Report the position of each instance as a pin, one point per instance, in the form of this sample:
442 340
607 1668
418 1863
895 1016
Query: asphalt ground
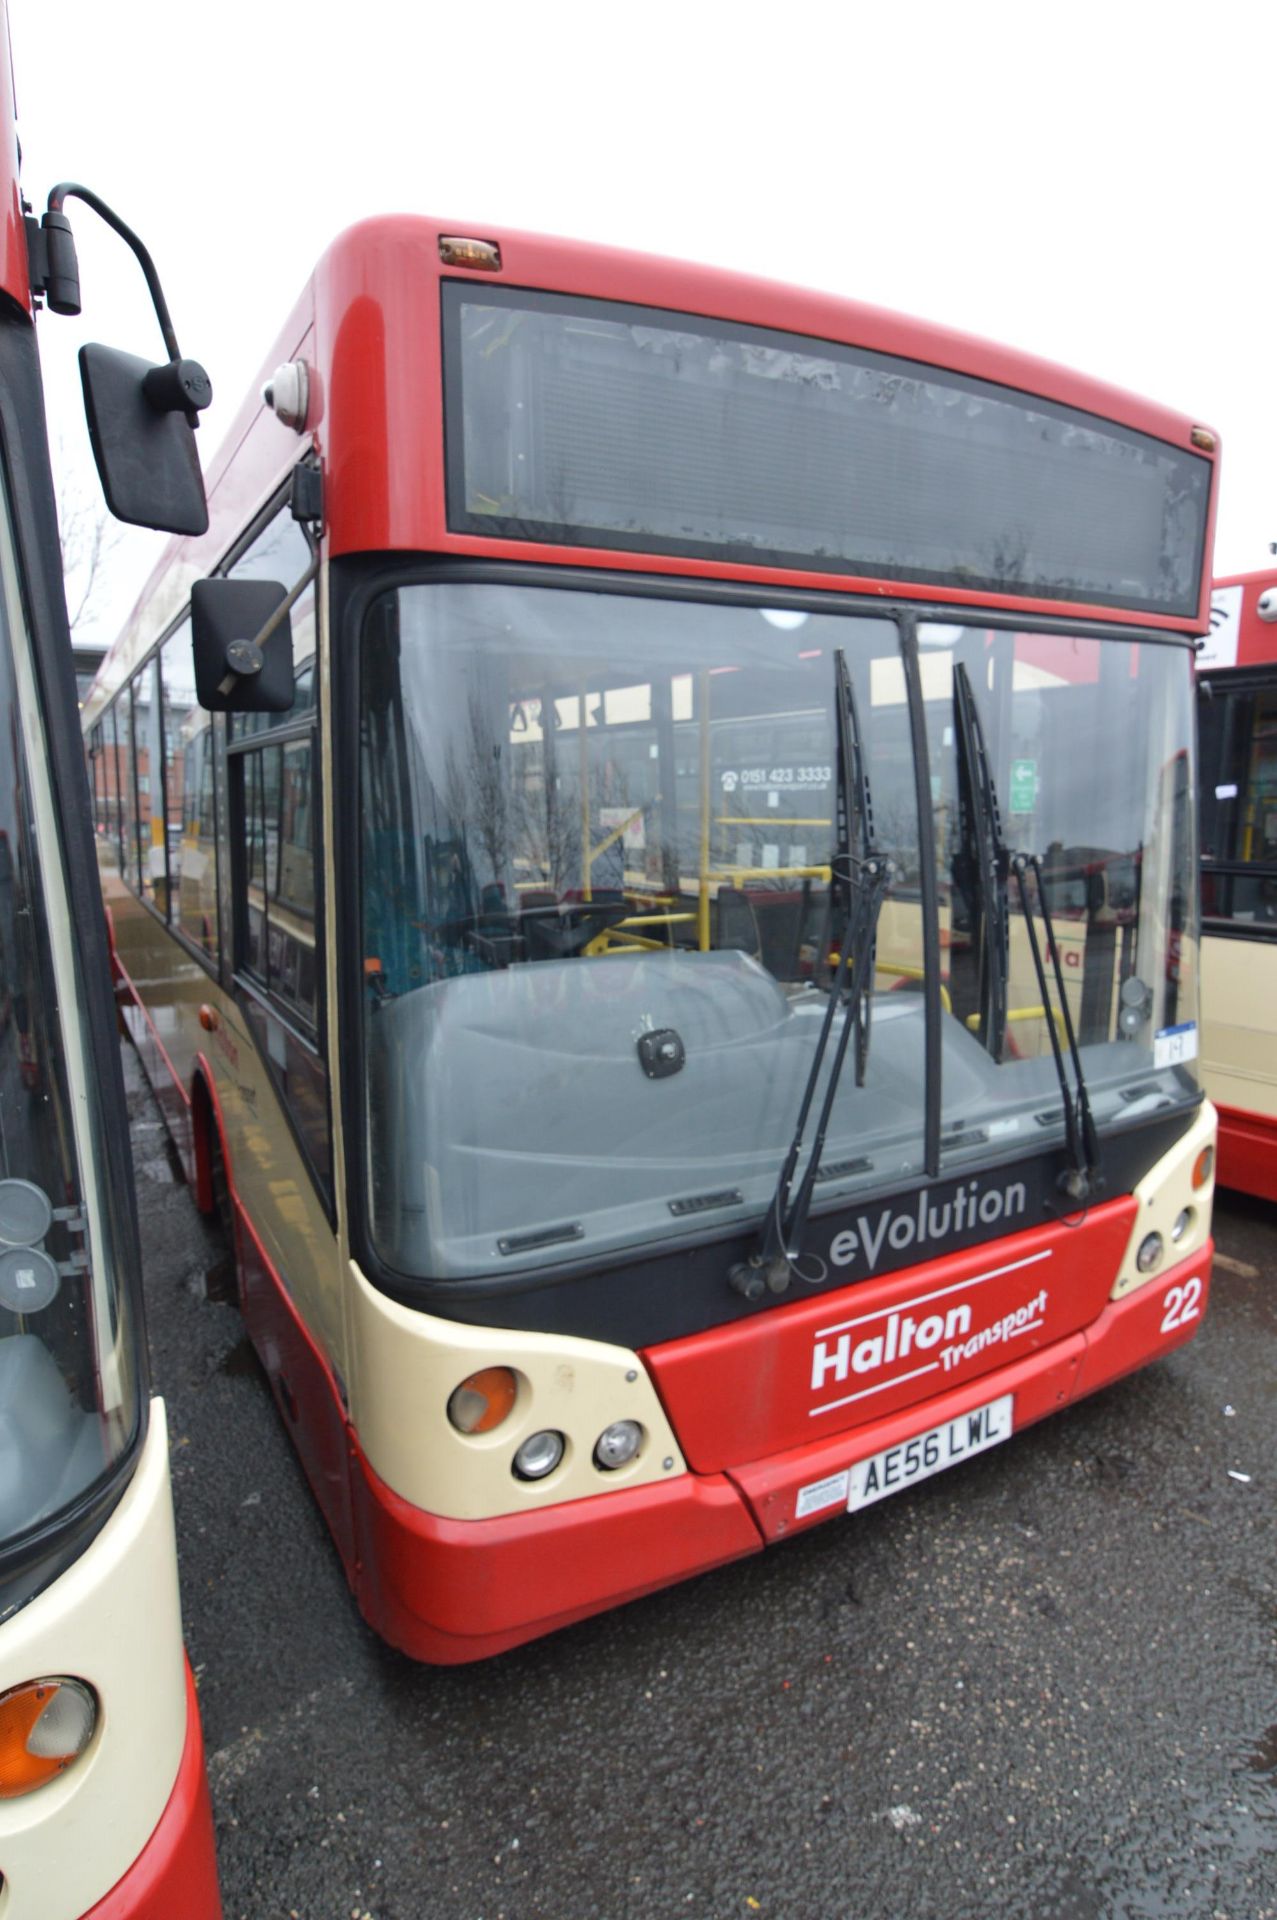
1043 1684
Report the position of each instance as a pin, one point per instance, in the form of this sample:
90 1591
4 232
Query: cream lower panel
1166 1192
113 1620
270 1175
272 1181
1239 1024
404 1367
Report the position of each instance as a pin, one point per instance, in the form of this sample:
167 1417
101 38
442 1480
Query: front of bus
769 1061
104 1806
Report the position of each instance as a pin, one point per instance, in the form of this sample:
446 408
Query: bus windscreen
587 423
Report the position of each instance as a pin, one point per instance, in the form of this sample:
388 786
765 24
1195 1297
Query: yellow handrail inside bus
1027 1013
904 972
612 838
631 942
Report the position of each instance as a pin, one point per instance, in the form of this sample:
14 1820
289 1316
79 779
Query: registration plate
929 1453
911 1461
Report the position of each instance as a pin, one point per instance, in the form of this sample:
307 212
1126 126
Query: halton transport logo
935 1333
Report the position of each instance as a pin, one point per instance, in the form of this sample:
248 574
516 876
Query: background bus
1237 719
667 698
104 1807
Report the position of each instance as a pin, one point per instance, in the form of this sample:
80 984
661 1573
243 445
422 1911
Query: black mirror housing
234 672
146 458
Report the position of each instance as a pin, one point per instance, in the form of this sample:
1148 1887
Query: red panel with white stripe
797 1373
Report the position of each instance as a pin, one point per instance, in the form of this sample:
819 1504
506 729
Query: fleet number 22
1181 1305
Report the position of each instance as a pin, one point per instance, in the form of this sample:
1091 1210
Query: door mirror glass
146 457
236 670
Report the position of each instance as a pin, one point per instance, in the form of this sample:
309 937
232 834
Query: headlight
1183 1221
1151 1249
540 1454
617 1445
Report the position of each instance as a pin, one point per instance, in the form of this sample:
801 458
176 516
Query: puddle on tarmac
219 1281
241 1362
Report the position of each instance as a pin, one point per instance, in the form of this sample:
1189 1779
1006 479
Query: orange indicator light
483 1401
1203 1166
482 256
44 1726
1203 437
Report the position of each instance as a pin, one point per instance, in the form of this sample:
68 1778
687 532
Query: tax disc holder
29 1280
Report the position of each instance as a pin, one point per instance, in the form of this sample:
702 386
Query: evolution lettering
933 1219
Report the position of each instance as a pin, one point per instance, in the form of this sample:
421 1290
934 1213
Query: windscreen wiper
982 867
1085 1177
991 865
858 884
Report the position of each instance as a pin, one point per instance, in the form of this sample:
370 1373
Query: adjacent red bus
651 851
1237 720
104 1807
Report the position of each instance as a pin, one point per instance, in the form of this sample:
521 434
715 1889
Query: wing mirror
141 417
243 646
140 430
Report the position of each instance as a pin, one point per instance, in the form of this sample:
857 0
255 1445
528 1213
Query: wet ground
1042 1685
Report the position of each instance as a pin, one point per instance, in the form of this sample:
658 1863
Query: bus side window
1238 729
128 788
110 851
189 798
279 958
280 552
152 856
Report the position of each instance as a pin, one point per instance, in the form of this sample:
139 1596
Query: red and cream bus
1237 724
650 850
104 1807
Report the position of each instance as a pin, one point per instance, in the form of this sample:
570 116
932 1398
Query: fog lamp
618 1444
483 1400
540 1454
44 1726
1151 1249
1183 1221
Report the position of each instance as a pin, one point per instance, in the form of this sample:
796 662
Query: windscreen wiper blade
1085 1177
858 884
992 865
984 857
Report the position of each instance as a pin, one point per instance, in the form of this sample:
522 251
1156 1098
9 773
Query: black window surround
1238 889
584 422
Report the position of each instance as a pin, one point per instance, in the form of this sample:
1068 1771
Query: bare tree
89 536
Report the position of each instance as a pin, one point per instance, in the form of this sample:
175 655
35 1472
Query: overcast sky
1093 182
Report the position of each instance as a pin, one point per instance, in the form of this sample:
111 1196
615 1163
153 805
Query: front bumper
448 1591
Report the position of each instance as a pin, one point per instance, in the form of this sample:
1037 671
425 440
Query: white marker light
617 1445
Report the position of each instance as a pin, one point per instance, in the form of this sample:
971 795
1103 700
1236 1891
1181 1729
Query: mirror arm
182 386
71 190
252 654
